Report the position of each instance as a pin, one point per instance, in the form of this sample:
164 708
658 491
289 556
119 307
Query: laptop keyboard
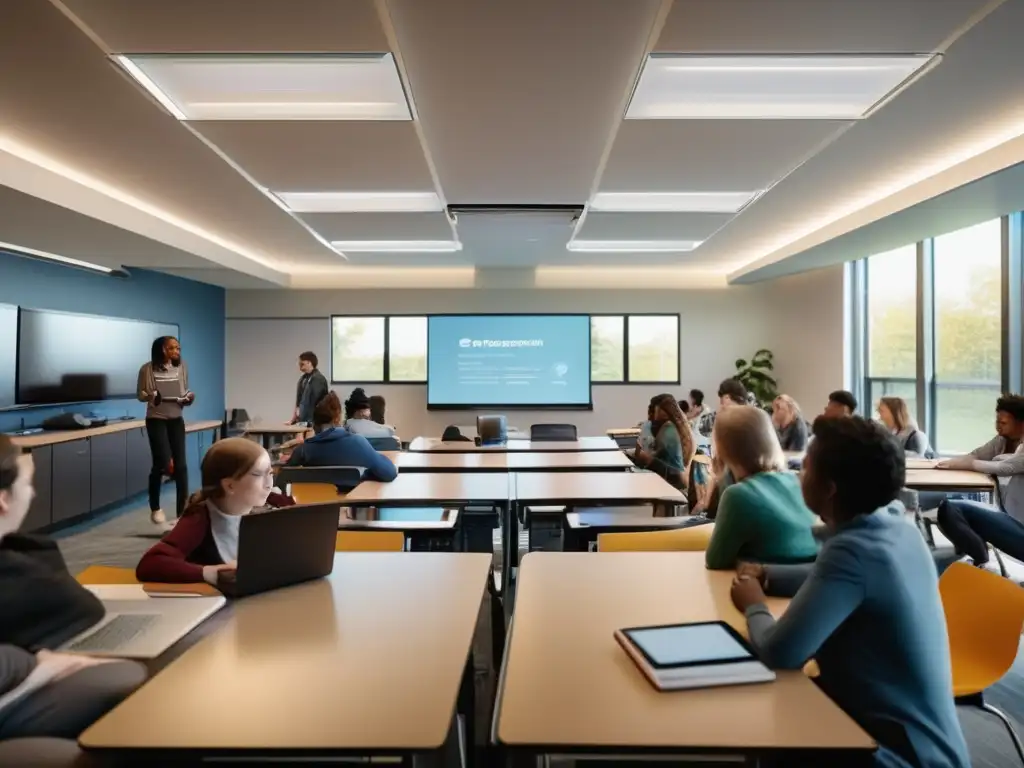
115 634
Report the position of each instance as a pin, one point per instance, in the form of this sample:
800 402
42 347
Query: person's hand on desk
643 458
754 571
216 575
746 591
957 462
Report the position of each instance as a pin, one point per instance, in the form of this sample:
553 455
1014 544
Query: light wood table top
435 445
320 666
583 460
516 461
451 462
554 488
948 479
436 488
623 432
271 428
567 683
47 437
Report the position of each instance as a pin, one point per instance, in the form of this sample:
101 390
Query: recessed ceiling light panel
632 246
674 202
397 246
360 202
768 87
272 87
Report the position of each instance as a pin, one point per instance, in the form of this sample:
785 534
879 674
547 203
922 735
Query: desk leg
266 442
510 555
466 705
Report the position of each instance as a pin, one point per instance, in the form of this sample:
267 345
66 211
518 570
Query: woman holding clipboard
163 386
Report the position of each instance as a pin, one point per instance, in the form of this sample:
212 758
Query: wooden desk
47 437
623 432
267 431
592 488
435 445
518 461
949 480
451 462
569 461
432 488
567 686
346 684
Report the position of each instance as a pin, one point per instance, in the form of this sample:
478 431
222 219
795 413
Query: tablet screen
688 644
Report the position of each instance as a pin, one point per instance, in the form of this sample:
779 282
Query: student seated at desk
789 423
358 419
673 444
894 413
334 446
972 526
761 515
41 605
59 695
203 546
650 427
869 613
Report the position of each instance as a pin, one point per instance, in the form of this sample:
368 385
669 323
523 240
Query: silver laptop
142 628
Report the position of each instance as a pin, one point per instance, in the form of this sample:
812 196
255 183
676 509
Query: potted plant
756 376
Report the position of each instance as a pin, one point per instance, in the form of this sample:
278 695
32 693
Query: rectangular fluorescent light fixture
397 246
360 202
788 87
632 246
272 86
674 202
32 253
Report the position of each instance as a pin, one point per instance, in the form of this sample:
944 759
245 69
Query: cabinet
138 462
108 469
72 479
41 511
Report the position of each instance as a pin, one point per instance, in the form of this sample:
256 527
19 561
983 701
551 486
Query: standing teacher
163 386
311 390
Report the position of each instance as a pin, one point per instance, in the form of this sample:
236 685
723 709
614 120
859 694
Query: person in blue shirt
870 612
333 446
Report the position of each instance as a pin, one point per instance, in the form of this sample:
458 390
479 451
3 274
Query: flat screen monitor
71 358
508 361
8 353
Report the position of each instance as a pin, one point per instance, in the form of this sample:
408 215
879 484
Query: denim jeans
971 526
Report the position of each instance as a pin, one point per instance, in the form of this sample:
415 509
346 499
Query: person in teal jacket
761 515
870 612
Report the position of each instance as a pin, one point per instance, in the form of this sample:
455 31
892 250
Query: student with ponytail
203 546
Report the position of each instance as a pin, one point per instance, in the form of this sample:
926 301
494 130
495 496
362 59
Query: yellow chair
984 617
316 493
693 539
106 574
370 541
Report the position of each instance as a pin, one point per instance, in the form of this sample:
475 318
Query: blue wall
198 309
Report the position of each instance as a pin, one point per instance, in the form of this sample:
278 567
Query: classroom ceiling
517 107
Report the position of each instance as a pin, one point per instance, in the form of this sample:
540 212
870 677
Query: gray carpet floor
120 537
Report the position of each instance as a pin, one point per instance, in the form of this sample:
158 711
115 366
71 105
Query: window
394 349
653 348
892 327
968 334
607 348
407 349
357 349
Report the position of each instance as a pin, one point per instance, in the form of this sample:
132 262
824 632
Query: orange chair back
693 539
370 541
984 618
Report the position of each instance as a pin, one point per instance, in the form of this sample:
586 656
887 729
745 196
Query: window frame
625 381
926 380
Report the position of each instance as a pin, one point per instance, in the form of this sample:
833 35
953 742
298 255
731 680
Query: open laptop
285 546
137 626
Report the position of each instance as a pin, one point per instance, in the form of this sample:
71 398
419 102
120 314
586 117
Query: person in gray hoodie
972 526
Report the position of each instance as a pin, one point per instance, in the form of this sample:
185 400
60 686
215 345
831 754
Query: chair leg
1009 727
1002 563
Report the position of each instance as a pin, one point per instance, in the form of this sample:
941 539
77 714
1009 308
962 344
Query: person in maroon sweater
203 546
